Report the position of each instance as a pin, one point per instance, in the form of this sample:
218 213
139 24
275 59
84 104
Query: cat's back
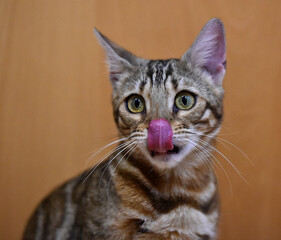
75 210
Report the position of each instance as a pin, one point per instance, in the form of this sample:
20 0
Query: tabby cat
159 182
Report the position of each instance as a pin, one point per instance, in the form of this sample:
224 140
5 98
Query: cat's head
169 108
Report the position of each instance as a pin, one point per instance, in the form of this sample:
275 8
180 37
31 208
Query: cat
159 182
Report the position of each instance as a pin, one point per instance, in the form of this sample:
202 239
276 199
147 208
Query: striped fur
135 193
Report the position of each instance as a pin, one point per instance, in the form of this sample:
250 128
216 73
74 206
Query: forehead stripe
159 71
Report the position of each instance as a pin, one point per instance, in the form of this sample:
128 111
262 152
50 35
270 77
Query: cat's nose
160 136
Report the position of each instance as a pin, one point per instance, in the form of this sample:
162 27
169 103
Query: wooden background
55 97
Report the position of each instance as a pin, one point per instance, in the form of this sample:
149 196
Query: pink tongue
160 136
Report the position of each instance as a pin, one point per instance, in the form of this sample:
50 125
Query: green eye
135 104
184 100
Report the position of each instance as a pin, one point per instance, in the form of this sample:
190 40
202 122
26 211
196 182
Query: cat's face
169 109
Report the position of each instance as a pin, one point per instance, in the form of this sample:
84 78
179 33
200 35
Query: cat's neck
170 182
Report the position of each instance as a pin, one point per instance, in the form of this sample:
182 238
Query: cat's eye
184 100
135 104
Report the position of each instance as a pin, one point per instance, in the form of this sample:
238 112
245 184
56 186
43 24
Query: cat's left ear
119 60
208 51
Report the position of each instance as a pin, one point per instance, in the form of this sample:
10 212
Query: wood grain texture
55 97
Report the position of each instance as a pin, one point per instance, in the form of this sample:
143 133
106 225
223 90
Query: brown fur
137 193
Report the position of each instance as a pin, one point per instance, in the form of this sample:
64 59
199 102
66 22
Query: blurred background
55 106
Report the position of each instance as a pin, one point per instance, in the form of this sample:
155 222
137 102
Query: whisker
102 140
129 151
221 140
219 134
196 147
140 138
137 134
91 170
231 164
206 157
225 172
187 138
233 145
107 165
203 154
108 145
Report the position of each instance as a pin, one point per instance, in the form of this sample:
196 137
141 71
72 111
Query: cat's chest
179 223
146 212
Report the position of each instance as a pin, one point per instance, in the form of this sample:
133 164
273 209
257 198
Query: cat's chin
165 160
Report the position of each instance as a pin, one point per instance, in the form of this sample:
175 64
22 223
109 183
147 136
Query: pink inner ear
209 50
160 136
216 60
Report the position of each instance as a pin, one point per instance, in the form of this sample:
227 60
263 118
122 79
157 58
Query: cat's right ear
119 60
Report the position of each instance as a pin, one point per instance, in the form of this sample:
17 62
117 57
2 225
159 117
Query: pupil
137 103
184 100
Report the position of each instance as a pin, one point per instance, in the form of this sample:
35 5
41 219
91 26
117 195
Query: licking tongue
160 136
